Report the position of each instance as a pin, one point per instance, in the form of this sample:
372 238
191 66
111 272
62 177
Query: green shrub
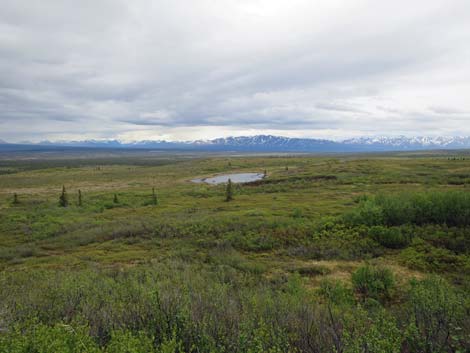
127 342
297 213
375 332
389 237
373 282
451 208
332 240
369 213
436 317
425 257
336 292
40 338
260 337
455 239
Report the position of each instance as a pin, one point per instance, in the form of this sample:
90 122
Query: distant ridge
269 143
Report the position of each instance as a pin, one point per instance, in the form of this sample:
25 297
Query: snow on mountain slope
269 143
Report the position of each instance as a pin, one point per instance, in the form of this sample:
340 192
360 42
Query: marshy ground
296 231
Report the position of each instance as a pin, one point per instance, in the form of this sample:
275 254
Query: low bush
335 292
373 282
425 257
389 237
436 317
451 208
40 338
376 332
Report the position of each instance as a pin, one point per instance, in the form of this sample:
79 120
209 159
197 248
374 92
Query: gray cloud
147 69
449 111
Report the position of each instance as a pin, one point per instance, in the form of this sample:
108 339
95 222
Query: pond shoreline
237 178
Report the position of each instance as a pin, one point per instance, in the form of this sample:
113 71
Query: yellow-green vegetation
332 253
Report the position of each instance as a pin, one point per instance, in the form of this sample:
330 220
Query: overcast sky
196 69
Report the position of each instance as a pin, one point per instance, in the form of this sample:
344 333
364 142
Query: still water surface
235 178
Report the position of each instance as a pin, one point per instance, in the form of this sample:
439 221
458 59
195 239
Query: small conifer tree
115 200
229 191
154 197
63 200
287 168
79 198
15 199
265 173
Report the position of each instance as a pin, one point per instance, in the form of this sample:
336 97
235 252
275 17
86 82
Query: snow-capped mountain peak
270 143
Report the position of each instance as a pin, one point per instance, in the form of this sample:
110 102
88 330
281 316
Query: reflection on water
235 178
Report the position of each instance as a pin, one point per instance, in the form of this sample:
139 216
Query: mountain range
265 143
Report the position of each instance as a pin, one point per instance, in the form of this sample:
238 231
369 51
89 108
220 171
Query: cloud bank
178 69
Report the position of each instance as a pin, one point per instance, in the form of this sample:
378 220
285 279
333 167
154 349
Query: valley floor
327 253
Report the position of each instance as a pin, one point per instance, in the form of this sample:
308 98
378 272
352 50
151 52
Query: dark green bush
336 292
373 282
368 213
389 237
451 208
423 256
456 239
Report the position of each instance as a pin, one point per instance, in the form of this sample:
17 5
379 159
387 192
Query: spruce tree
229 191
115 200
63 200
154 197
287 168
79 198
265 173
15 199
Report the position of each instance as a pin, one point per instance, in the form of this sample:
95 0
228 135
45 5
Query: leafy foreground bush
438 318
451 208
175 307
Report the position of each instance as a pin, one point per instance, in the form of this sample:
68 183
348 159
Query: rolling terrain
327 253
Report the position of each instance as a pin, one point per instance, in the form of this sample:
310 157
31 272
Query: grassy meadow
328 253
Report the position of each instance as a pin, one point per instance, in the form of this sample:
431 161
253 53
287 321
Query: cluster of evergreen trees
64 199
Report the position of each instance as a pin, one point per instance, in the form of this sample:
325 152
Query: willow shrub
451 208
373 282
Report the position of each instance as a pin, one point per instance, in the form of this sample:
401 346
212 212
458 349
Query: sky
201 69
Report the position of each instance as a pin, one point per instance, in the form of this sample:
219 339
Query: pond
235 178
